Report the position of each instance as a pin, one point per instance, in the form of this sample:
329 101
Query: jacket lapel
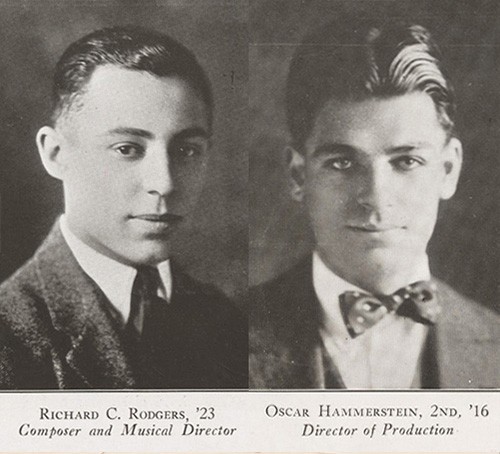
87 335
429 362
459 352
297 359
309 351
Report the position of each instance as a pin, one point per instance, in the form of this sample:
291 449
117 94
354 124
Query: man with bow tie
100 304
373 152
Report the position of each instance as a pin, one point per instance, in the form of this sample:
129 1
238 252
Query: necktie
147 329
362 310
146 307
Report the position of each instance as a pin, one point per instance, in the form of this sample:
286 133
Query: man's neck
114 278
382 279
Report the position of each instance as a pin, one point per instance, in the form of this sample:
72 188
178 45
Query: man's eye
128 150
187 150
407 162
339 163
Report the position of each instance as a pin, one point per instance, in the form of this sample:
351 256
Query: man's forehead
120 97
393 121
113 80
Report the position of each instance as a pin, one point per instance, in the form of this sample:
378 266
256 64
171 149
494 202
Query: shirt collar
115 279
328 287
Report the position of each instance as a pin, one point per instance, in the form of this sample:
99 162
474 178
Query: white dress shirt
386 355
115 279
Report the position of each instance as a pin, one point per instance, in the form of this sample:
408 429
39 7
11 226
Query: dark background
464 250
34 33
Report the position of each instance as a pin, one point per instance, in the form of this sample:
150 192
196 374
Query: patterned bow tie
362 310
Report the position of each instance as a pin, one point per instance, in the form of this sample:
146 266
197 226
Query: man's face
371 176
133 157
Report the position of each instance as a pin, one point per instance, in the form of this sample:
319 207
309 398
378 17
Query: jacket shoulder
275 297
468 341
25 332
21 302
26 288
283 338
467 315
282 309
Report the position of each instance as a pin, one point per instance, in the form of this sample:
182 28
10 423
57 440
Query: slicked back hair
129 47
352 63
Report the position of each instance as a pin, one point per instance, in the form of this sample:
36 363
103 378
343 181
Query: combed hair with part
351 63
129 47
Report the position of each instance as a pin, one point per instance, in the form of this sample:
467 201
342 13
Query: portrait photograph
249 225
123 195
374 195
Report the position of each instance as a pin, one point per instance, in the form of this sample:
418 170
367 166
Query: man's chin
152 258
388 255
386 261
389 258
149 254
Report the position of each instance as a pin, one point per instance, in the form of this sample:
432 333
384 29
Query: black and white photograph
374 215
123 195
249 226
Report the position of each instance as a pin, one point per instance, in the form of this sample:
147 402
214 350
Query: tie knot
147 281
144 298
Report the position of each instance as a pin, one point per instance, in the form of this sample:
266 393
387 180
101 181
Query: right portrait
374 221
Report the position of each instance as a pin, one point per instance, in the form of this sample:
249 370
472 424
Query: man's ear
49 141
452 161
296 173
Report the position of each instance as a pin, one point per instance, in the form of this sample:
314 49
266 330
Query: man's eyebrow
193 132
410 146
124 130
342 148
333 148
184 134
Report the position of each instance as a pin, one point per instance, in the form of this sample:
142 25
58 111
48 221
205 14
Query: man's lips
374 228
167 218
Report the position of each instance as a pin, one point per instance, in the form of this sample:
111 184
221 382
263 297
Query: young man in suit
374 151
100 305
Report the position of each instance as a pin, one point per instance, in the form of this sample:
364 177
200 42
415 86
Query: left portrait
123 195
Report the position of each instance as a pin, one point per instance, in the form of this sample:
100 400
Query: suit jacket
57 330
461 351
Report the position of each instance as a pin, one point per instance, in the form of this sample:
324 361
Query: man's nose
375 188
157 173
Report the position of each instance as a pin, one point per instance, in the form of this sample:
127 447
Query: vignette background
33 35
464 250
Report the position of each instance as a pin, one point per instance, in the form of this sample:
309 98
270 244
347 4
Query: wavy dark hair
129 47
344 62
